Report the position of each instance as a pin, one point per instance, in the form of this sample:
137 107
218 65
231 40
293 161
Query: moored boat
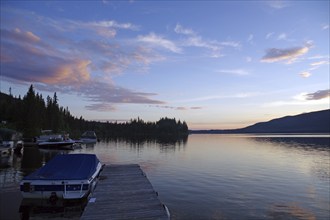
5 148
58 143
9 140
54 141
66 176
88 137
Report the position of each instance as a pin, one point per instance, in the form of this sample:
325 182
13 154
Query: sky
213 64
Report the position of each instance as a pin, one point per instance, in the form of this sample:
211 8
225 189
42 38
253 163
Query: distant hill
313 122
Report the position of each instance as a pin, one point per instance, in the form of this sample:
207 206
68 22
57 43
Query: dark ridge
312 122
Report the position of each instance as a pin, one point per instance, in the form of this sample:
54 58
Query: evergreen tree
31 126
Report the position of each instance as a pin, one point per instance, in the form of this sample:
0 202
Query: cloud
82 67
321 94
113 24
16 35
197 41
28 58
288 103
290 54
269 35
169 107
180 30
325 26
282 36
48 54
216 97
234 44
57 40
102 95
159 41
104 28
320 97
54 44
24 36
108 93
319 63
316 57
102 107
145 55
73 72
180 108
248 59
203 98
192 39
305 74
250 39
238 72
279 37
196 107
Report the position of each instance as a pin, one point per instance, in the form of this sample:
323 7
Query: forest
32 113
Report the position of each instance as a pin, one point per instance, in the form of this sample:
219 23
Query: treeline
32 113
137 128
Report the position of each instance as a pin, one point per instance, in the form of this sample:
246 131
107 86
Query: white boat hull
59 189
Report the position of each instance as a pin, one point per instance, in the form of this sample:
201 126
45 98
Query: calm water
209 176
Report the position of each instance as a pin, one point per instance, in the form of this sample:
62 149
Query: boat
88 137
55 141
5 148
66 176
9 140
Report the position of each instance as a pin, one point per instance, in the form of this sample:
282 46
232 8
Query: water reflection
4 162
41 208
10 169
90 145
163 140
307 143
166 144
311 147
290 211
34 158
208 176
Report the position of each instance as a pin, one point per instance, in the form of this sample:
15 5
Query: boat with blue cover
66 176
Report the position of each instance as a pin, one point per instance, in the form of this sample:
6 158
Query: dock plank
124 192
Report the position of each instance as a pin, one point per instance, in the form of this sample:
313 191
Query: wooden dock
124 192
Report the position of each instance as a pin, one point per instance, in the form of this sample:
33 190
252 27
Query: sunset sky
213 64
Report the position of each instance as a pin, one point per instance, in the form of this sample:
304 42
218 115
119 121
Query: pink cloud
290 54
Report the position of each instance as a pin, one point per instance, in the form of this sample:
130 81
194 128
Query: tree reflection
165 143
306 143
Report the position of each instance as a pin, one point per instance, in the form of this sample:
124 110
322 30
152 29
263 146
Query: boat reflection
43 208
33 158
90 145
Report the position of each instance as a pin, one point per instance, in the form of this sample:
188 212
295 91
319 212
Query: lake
208 176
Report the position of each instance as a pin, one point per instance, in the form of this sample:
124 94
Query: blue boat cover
67 167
